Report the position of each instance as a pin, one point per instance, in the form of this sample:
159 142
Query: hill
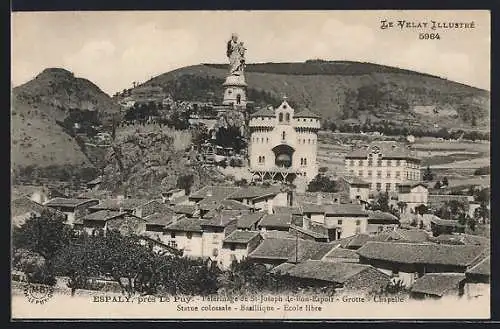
37 139
339 90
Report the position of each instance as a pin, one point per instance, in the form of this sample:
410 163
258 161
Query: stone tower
235 91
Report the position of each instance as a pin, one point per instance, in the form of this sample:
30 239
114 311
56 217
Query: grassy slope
323 87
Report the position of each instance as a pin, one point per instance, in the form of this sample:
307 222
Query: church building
283 143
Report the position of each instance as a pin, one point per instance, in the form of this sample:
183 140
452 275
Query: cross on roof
285 97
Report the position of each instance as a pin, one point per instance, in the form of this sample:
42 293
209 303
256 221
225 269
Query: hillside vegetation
340 90
37 139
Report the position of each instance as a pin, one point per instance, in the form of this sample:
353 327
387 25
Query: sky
113 49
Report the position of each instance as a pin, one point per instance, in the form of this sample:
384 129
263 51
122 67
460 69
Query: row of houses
326 242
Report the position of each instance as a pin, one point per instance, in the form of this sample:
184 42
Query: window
238 99
189 235
287 117
358 222
309 141
370 162
388 186
379 174
379 162
280 117
172 235
301 161
380 228
388 174
389 163
305 161
398 174
283 135
304 141
407 175
395 272
360 163
233 246
267 139
398 163
360 173
351 162
369 173
379 186
215 252
339 222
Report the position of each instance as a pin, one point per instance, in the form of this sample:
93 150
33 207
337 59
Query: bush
482 171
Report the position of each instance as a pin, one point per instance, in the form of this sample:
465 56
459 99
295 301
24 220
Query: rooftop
162 219
186 225
341 255
264 113
65 202
388 150
344 210
437 284
421 253
216 192
445 222
184 209
276 220
241 236
482 268
306 113
287 210
125 204
211 203
327 271
285 249
103 215
247 220
355 181
253 192
379 217
219 221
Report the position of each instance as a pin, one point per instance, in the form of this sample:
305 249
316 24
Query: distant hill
339 90
36 138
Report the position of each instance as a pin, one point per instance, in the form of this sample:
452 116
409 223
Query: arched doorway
283 155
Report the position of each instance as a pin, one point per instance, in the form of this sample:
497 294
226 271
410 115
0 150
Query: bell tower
235 91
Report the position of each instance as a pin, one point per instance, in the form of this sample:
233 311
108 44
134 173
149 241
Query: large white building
384 164
283 143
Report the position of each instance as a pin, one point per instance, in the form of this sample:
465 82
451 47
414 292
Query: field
455 159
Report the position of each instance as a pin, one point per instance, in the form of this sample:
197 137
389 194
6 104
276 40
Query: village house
264 198
343 277
190 211
318 233
274 251
107 220
384 164
478 279
250 221
156 223
410 261
211 205
24 208
358 189
74 209
186 234
379 221
438 285
413 194
172 194
343 220
275 222
445 226
158 246
137 207
237 246
214 232
94 184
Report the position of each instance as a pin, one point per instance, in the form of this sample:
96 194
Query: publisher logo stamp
37 293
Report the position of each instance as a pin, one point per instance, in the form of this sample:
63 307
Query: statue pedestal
235 91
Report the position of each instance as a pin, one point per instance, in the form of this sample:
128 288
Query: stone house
74 209
237 246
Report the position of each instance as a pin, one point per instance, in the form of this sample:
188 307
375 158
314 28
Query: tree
34 266
428 175
421 209
452 209
381 203
438 185
45 234
402 206
322 183
185 182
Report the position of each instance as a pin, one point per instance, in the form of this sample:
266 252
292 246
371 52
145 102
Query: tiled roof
312 208
344 210
285 249
467 239
162 219
247 220
287 210
388 149
219 221
306 113
103 215
341 255
241 236
282 268
328 271
179 200
355 241
421 253
125 204
235 205
437 284
379 217
276 220
64 202
313 234
482 268
184 209
252 192
217 192
445 222
278 235
24 205
263 113
186 225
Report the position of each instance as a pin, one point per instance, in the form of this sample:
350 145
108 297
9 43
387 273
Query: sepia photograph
245 165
